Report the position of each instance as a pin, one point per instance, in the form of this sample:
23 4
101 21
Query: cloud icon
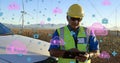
97 29
57 41
13 6
104 55
57 10
106 3
16 47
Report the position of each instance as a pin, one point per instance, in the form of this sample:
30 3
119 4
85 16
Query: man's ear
67 18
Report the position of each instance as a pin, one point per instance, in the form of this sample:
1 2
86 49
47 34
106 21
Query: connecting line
37 9
5 60
95 8
114 10
99 12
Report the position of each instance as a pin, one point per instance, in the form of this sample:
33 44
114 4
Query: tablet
71 54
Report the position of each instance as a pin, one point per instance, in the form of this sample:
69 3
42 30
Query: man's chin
76 27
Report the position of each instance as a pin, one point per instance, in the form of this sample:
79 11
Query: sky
42 11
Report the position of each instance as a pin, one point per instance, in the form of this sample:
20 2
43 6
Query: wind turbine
116 12
22 17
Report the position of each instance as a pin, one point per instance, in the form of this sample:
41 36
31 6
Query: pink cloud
104 55
57 41
13 6
97 29
57 10
42 22
106 2
16 47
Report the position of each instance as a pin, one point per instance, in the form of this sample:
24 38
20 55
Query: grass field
44 34
108 43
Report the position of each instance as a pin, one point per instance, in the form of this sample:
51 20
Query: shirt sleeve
52 46
93 43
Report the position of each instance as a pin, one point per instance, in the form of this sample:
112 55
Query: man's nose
76 21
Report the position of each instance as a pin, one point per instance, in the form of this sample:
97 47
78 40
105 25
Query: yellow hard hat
76 11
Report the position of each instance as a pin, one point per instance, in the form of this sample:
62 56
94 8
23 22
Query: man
76 40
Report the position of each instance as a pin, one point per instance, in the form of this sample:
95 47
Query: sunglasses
74 19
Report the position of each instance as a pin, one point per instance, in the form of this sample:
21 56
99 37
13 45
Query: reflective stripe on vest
70 43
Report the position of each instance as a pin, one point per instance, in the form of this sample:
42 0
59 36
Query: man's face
74 22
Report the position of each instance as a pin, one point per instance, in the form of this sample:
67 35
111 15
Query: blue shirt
93 42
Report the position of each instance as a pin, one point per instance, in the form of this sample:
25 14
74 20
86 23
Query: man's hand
57 53
82 58
74 50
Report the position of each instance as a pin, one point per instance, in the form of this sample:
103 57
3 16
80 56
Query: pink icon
104 55
57 41
16 47
13 6
42 22
106 2
97 29
57 10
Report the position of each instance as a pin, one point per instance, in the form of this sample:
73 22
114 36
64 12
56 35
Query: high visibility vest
70 43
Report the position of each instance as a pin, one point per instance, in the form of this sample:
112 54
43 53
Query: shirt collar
70 28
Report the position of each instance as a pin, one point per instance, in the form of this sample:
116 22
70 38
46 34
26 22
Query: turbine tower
23 12
22 16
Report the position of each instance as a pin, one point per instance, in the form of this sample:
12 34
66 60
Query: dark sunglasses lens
74 19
